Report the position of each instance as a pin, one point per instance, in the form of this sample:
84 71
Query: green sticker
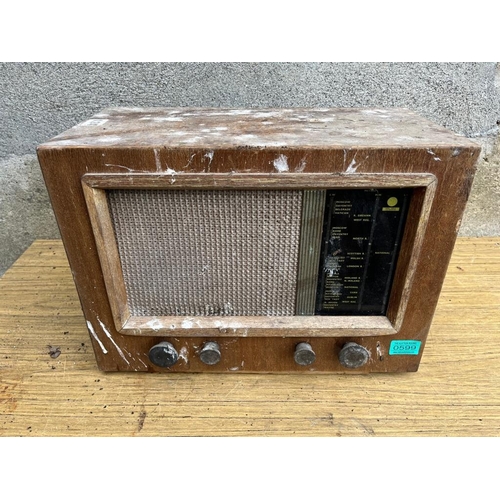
406 347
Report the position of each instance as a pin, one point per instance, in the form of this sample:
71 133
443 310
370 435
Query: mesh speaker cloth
208 253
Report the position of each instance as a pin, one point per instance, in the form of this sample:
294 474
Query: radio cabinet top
218 128
259 240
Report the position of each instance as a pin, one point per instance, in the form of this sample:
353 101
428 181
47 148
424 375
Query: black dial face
362 234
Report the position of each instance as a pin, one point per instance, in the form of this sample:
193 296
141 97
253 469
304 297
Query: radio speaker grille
208 253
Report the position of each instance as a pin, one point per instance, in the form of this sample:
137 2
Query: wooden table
456 391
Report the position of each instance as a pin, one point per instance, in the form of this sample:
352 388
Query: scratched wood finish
456 391
178 142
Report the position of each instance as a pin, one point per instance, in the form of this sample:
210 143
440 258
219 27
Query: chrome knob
163 354
353 355
304 354
210 353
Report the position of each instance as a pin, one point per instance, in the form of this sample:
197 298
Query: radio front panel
325 254
258 252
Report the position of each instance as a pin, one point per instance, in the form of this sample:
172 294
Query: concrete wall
37 101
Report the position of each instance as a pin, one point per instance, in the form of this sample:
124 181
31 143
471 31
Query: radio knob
163 354
304 354
210 353
353 355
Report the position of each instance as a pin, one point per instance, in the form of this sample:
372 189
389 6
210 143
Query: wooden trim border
259 326
256 181
95 186
107 248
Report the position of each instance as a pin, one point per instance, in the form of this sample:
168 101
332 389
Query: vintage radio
265 240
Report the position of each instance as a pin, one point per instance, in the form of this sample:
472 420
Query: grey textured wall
37 101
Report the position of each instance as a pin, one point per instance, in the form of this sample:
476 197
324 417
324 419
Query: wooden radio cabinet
262 240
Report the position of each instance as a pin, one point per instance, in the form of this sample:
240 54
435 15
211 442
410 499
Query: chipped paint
188 164
434 155
265 114
161 118
183 354
302 165
108 139
380 112
210 156
141 361
246 137
92 123
67 142
351 169
120 352
281 163
154 324
187 324
380 352
240 112
231 325
157 160
97 339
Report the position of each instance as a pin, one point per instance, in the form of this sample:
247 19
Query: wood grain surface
456 391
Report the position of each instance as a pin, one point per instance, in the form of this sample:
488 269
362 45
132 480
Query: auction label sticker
405 347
